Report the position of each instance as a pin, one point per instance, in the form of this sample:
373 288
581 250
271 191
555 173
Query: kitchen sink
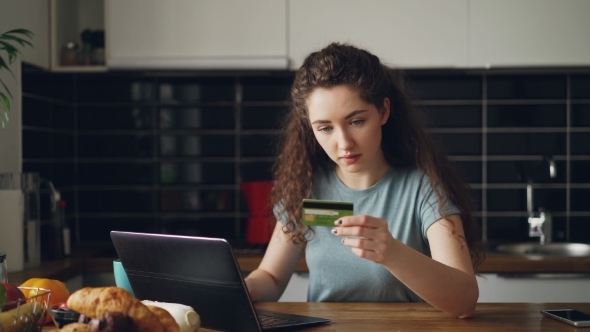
551 249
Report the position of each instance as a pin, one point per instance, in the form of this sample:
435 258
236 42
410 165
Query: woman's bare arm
268 282
447 280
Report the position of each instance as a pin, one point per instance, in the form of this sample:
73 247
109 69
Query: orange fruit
59 291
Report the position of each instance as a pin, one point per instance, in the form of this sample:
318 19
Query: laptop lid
197 271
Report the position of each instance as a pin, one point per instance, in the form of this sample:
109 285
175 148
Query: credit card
324 213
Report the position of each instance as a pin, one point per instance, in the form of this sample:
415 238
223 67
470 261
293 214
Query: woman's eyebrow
353 113
350 115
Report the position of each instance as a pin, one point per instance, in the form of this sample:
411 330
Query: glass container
3 268
69 54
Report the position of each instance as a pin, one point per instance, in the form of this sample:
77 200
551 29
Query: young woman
352 135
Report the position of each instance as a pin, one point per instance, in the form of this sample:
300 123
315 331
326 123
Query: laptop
200 272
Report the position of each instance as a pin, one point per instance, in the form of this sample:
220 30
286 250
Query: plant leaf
8 47
6 44
5 102
4 119
6 88
16 39
4 109
25 32
11 50
4 65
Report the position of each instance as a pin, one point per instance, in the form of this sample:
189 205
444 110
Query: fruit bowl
63 316
27 315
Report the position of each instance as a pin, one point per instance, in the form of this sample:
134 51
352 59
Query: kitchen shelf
196 215
79 69
67 20
193 131
183 104
199 186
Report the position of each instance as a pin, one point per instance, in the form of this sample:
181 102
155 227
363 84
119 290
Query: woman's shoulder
413 174
409 179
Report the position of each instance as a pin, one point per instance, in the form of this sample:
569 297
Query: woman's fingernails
342 240
334 231
338 222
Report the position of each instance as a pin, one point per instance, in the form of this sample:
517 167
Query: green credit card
324 213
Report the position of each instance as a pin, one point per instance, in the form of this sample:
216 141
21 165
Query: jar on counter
69 54
3 268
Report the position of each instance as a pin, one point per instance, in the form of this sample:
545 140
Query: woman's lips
351 158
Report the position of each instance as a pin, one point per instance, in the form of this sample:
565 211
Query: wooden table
377 317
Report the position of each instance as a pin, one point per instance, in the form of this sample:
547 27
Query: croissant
76 327
93 302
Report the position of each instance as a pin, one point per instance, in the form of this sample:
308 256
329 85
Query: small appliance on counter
19 219
57 244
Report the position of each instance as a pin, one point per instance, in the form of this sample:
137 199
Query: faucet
541 222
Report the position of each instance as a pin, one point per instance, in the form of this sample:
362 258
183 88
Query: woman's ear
385 110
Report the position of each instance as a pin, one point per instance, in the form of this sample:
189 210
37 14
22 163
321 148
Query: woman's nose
345 141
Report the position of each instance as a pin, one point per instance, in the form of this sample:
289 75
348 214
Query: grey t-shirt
404 198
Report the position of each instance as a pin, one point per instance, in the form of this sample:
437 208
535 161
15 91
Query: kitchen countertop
88 261
421 316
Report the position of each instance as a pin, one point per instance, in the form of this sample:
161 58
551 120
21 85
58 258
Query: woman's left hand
371 237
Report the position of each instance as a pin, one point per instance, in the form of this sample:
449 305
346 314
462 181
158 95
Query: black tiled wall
49 141
165 152
497 130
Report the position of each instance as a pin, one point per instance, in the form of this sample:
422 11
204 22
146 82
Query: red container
258 228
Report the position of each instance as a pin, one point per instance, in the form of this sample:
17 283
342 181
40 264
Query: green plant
8 42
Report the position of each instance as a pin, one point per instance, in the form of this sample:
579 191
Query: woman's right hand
367 236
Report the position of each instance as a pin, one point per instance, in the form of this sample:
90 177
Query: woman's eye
324 129
357 122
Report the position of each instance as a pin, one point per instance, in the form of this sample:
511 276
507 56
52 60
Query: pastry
94 302
76 327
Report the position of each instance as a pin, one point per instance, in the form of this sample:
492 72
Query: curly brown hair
405 140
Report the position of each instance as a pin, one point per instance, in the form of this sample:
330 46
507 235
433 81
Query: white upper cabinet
529 32
403 33
267 34
209 34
